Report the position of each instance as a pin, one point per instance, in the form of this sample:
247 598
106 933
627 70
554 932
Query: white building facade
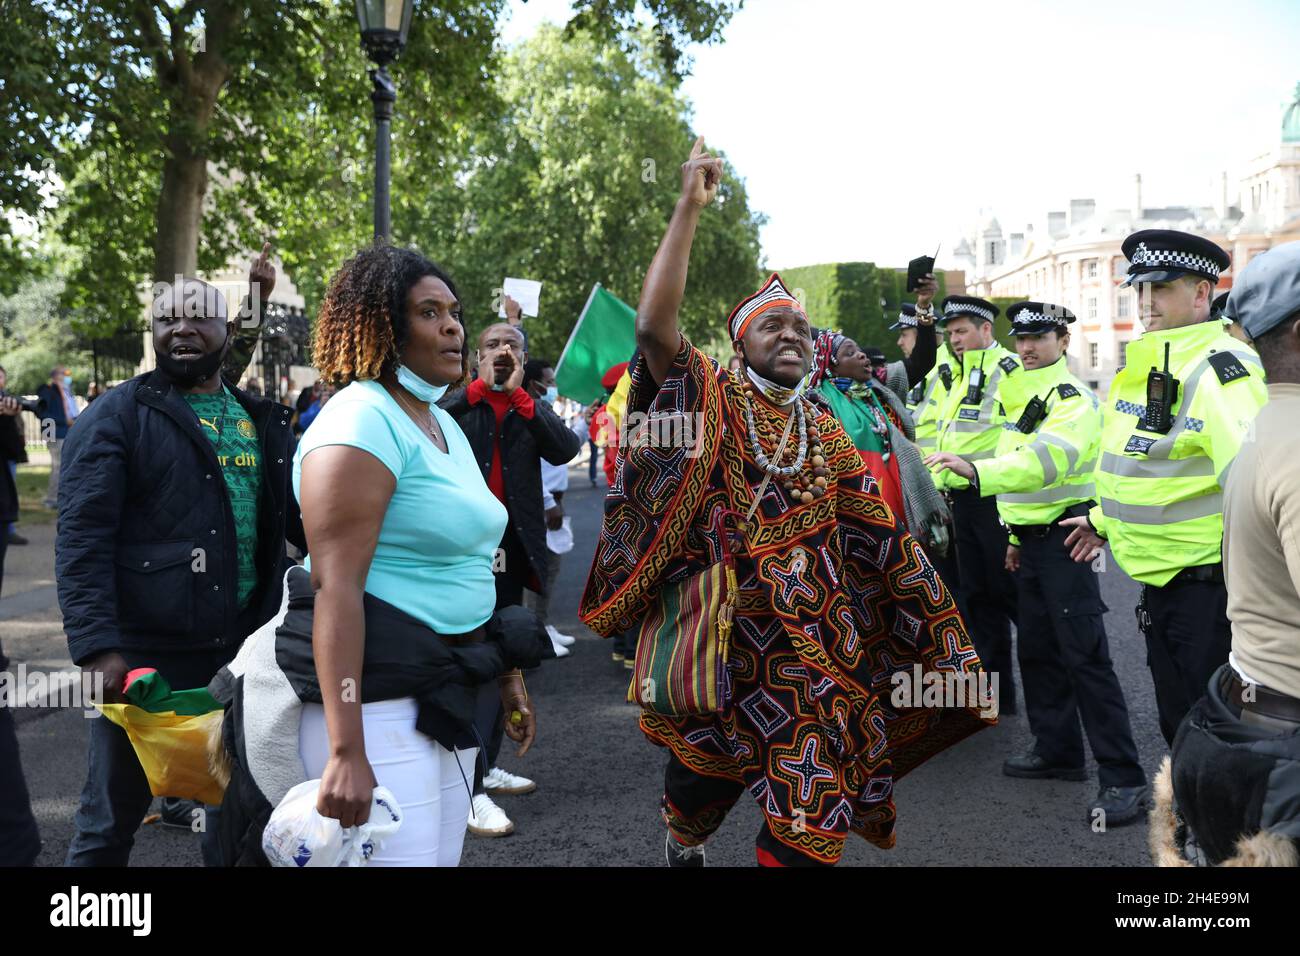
1073 258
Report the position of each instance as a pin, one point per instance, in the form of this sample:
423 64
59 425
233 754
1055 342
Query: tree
575 182
31 344
185 131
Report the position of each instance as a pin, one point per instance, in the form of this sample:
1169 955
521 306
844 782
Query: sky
905 123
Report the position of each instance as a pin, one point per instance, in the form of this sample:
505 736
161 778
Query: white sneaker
558 638
498 781
486 819
560 649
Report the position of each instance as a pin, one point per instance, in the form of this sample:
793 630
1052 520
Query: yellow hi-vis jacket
930 395
1039 474
971 431
1161 496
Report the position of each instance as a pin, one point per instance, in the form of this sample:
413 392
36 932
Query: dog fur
218 760
1262 848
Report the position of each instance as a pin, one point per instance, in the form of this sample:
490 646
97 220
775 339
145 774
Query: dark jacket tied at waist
264 687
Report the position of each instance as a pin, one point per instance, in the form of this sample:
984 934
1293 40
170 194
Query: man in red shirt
510 434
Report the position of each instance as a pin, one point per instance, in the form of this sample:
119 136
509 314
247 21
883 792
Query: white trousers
420 772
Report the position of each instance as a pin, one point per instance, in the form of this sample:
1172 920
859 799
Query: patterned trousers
694 806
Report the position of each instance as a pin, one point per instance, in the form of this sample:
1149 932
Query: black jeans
20 843
19 840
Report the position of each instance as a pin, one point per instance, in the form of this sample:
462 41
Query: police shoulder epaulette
1228 367
1009 364
1066 390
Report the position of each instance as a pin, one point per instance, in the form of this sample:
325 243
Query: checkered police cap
1163 254
957 305
1174 259
906 318
1034 318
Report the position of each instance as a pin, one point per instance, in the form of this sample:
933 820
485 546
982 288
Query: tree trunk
191 82
180 209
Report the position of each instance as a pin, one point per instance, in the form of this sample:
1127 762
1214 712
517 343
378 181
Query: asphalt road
599 780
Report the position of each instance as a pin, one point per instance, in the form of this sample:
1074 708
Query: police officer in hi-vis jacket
1041 472
1176 414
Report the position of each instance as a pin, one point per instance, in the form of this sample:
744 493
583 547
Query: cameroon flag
604 335
172 733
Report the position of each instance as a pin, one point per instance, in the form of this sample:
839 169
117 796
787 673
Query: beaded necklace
879 419
879 425
802 471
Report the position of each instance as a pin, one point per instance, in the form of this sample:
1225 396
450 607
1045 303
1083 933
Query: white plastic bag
560 540
296 835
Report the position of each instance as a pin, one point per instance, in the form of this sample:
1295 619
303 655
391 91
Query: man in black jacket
19 840
174 508
510 434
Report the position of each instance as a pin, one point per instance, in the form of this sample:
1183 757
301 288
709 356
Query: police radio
1162 392
945 373
1034 413
975 391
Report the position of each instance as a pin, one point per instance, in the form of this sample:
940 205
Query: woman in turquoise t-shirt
394 504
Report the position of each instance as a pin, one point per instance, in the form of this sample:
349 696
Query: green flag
604 335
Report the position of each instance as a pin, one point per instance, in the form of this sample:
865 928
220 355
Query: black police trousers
1065 665
1188 638
985 590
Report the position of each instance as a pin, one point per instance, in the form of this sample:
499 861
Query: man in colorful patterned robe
840 620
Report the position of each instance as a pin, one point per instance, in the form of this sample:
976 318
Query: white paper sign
526 292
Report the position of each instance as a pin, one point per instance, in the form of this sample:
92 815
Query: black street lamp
384 24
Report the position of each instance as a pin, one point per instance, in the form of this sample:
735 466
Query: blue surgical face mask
550 395
67 381
418 386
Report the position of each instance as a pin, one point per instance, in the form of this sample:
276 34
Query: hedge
848 296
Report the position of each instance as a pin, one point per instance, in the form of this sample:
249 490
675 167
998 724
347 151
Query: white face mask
776 394
418 386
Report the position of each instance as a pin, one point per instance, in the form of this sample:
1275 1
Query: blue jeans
591 465
114 801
